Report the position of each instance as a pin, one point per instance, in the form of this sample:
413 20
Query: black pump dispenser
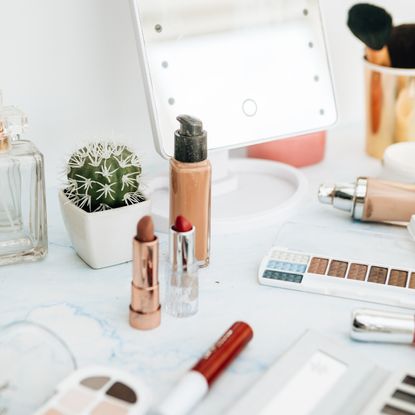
190 140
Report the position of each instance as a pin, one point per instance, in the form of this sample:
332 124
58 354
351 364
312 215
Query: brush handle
376 101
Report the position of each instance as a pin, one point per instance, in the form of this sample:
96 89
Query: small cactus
102 176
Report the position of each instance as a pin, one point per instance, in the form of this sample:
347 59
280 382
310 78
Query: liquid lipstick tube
382 326
196 383
371 200
145 309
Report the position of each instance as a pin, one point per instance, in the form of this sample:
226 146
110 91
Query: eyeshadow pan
404 396
412 281
318 266
96 382
357 272
393 410
123 392
109 408
52 411
282 276
398 278
337 268
409 380
286 266
378 275
76 400
290 257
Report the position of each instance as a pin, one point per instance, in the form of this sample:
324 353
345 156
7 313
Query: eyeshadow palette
337 276
395 397
317 376
98 391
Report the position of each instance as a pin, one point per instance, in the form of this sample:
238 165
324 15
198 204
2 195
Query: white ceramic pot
102 239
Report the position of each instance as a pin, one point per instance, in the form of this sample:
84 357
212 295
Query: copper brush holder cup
390 107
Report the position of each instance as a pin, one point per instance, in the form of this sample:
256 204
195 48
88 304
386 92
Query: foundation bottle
372 200
190 182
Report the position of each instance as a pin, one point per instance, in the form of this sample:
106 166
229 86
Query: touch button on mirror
249 107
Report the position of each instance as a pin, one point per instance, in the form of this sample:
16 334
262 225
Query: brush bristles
371 24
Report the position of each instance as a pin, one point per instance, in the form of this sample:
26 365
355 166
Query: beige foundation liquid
388 201
190 183
372 200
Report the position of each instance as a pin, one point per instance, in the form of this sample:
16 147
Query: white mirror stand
246 194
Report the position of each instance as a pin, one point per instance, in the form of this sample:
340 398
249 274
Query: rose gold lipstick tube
145 309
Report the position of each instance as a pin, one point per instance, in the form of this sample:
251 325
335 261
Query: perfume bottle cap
15 118
190 140
4 137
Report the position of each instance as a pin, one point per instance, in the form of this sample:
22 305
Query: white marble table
89 308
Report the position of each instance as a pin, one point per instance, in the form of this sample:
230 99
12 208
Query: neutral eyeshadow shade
109 408
404 396
409 380
123 392
357 272
77 399
378 275
412 281
318 266
290 257
337 269
393 410
52 411
96 382
398 278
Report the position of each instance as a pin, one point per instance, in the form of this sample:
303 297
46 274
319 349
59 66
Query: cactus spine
103 175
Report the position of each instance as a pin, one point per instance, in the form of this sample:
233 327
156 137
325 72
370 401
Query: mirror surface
251 70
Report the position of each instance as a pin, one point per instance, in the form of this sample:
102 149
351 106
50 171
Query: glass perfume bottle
23 228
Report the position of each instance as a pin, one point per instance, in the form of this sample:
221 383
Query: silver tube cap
349 197
182 249
382 326
341 196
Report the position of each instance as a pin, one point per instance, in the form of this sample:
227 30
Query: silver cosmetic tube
182 249
382 326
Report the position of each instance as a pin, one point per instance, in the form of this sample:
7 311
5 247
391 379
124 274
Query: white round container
399 162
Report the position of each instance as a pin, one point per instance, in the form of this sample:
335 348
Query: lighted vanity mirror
251 70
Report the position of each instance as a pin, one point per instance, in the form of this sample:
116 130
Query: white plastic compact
98 391
317 376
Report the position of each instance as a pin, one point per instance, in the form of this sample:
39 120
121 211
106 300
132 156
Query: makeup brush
373 26
386 45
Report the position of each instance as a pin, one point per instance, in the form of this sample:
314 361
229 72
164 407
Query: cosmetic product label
314 381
